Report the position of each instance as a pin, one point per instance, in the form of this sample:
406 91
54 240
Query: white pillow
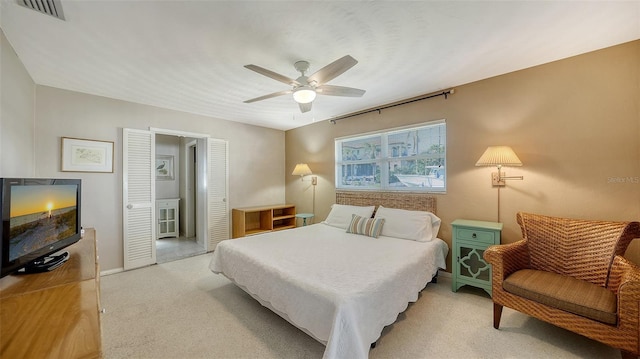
414 225
340 215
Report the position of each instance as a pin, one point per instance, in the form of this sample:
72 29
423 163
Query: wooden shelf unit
255 220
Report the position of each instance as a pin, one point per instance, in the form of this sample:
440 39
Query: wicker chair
571 273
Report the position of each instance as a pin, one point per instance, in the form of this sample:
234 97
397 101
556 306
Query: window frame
382 159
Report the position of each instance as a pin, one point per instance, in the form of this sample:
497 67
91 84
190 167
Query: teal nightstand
469 240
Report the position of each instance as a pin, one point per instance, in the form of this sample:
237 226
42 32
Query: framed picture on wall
82 155
164 167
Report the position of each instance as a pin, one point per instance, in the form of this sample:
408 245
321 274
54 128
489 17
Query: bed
342 288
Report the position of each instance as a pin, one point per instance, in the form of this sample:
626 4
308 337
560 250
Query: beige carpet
182 310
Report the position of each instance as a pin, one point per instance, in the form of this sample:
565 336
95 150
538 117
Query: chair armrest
625 282
507 258
624 278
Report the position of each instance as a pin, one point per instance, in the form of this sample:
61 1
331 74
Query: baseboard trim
444 274
111 271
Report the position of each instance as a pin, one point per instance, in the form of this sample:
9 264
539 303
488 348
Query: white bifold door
138 192
217 191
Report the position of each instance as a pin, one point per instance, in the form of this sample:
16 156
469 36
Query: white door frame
139 196
201 190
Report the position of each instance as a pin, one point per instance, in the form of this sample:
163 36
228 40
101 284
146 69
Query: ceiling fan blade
339 91
273 75
305 107
275 94
333 70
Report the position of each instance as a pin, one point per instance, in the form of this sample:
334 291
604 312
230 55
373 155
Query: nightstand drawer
475 235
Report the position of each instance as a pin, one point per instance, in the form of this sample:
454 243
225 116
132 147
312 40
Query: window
403 159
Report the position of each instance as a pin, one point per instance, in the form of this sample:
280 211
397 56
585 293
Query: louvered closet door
217 189
138 188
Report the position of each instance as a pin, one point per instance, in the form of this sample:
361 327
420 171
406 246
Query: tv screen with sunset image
41 215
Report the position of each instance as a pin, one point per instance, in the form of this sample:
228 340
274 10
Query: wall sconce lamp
500 156
302 169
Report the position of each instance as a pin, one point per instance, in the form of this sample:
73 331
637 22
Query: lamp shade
304 94
499 156
302 169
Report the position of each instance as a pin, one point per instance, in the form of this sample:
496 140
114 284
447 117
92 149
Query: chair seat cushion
565 293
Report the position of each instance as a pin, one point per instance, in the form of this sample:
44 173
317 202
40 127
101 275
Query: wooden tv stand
54 314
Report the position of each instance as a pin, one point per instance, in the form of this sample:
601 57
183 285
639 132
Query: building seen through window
399 159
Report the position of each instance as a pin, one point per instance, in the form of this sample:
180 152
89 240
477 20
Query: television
39 218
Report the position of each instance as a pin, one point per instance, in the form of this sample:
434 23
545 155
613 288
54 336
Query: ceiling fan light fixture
305 88
304 94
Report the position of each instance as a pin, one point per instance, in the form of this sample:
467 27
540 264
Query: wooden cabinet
255 220
54 314
469 241
167 215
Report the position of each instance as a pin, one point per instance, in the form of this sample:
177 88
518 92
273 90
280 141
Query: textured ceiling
189 55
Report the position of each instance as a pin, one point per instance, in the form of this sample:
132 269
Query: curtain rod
378 109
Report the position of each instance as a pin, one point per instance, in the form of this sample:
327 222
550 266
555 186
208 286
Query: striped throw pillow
367 226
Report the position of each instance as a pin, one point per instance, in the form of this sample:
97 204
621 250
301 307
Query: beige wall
34 118
574 123
17 99
256 166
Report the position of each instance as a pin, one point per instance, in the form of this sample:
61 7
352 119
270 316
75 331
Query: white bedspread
341 288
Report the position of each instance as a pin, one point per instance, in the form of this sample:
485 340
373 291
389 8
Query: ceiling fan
305 88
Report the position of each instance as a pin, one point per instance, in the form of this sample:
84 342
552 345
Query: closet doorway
176 210
141 169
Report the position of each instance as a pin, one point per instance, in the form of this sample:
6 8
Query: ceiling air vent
49 7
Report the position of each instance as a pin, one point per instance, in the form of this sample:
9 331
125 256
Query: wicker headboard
410 201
